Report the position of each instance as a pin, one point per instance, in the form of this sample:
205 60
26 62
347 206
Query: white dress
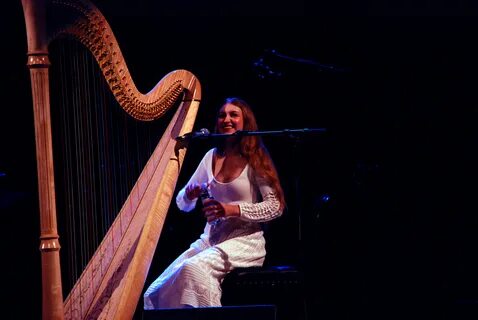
194 278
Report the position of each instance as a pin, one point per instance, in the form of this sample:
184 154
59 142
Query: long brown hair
253 149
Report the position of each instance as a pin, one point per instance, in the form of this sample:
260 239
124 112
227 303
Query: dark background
398 162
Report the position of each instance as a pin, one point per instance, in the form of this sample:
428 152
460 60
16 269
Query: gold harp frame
111 284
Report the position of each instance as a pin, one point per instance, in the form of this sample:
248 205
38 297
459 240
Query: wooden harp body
111 284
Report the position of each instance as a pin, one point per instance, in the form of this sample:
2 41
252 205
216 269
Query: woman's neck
229 150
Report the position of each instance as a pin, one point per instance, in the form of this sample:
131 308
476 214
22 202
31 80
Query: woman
246 191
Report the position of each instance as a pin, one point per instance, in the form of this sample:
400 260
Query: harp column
52 305
38 63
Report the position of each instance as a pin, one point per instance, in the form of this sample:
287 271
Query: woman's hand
214 210
193 191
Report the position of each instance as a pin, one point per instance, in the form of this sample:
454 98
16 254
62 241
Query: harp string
66 133
99 155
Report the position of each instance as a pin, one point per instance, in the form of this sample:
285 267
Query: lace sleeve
263 211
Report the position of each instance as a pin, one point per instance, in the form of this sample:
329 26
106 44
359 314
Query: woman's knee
193 267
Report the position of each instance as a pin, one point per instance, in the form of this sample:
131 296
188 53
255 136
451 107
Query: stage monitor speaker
249 312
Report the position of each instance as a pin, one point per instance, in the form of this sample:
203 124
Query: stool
282 286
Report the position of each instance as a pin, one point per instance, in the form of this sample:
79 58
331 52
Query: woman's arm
266 210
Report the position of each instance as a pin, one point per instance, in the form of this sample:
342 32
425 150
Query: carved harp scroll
111 284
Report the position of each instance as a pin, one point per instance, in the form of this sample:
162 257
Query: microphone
202 133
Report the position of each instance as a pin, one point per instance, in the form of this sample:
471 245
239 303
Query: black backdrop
398 160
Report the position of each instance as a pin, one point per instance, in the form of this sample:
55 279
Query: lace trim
266 210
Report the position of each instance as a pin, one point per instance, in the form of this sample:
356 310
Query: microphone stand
243 133
297 138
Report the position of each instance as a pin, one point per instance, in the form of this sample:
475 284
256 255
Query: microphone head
193 135
203 132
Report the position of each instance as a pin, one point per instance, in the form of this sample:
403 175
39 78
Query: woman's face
230 119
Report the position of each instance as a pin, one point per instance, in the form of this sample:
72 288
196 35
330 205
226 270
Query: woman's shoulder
210 152
208 155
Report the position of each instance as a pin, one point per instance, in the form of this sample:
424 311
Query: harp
111 284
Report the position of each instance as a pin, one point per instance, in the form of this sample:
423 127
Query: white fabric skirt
194 278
